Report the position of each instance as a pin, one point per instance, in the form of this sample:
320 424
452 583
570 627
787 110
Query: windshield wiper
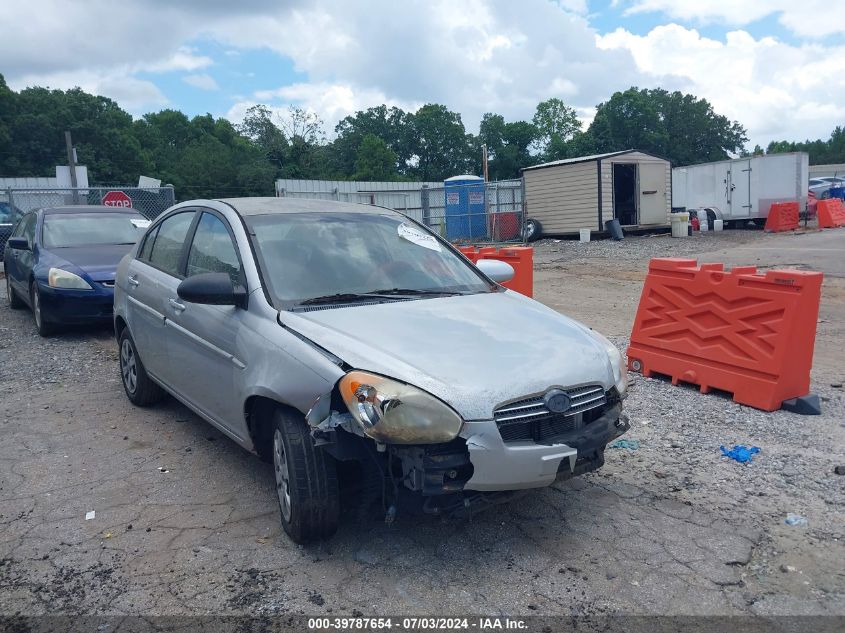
389 293
341 297
415 292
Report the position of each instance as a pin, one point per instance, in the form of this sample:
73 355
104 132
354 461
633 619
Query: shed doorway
625 193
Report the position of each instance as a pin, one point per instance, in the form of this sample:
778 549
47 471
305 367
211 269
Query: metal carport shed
564 196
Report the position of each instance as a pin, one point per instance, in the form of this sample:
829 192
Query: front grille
529 419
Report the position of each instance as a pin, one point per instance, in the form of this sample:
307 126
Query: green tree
439 143
556 124
8 113
102 133
508 145
375 161
258 127
391 125
821 152
680 127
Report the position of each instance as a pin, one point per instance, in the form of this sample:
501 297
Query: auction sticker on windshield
140 224
418 237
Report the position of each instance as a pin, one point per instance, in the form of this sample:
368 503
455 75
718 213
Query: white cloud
473 56
135 95
331 102
202 81
777 90
184 58
807 18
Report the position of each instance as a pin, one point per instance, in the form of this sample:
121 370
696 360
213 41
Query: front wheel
44 328
139 387
306 481
531 230
15 302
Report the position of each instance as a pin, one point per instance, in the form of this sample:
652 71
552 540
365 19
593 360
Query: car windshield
8 215
311 257
91 229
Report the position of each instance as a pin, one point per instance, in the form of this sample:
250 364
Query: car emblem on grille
557 401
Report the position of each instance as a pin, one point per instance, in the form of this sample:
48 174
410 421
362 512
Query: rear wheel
15 302
531 230
139 387
44 328
306 481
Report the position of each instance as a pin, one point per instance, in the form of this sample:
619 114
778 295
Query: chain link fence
461 211
14 202
475 212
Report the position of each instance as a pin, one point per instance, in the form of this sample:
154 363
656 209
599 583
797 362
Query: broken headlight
395 413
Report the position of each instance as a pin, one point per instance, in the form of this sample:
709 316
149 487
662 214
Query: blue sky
773 65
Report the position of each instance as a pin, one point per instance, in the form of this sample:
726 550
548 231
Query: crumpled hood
99 262
473 352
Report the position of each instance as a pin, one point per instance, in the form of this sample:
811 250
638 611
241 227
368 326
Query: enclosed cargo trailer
742 188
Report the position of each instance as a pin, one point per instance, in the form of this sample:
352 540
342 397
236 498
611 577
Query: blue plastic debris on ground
795 519
740 453
629 444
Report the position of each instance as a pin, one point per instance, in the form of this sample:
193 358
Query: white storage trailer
743 188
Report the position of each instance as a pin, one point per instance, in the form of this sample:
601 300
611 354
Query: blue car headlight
58 278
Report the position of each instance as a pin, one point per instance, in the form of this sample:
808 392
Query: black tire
139 387
531 230
45 328
15 302
306 481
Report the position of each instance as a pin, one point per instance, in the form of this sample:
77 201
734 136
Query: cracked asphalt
670 528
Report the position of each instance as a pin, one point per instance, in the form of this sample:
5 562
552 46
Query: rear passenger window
167 247
147 248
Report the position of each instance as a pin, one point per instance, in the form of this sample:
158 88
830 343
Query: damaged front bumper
499 465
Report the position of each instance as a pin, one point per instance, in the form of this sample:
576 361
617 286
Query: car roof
88 208
271 206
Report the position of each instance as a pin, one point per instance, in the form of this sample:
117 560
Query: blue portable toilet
466 213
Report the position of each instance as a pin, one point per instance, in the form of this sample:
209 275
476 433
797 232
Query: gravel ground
639 248
669 528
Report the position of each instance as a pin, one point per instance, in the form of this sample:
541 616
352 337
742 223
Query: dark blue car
62 261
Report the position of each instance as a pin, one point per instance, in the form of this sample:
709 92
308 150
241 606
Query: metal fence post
426 205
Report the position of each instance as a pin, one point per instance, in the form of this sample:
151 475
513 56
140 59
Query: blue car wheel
44 328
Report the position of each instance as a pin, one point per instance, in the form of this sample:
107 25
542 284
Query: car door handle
133 281
176 305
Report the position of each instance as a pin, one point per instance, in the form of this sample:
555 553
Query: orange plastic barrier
783 216
738 331
520 257
831 213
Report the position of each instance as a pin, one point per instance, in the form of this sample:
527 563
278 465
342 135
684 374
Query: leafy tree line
821 152
205 156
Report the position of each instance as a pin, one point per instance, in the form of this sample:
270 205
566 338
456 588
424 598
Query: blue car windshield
8 214
62 230
305 256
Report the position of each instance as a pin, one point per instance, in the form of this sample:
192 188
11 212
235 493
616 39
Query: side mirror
18 243
498 271
214 289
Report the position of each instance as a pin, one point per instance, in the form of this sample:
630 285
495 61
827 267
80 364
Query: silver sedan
363 356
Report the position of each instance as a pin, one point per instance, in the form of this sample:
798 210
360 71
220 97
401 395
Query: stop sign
116 199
